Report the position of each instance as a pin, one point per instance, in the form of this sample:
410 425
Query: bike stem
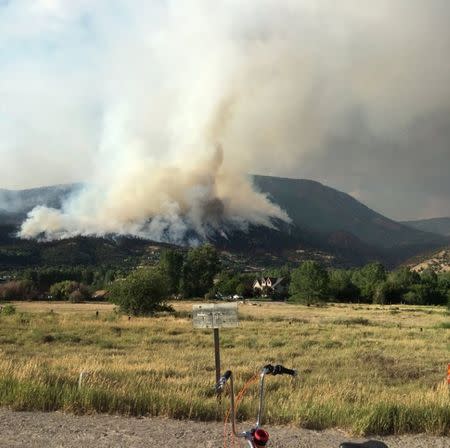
260 406
255 436
261 398
232 410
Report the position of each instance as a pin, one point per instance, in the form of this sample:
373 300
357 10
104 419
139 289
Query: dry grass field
363 368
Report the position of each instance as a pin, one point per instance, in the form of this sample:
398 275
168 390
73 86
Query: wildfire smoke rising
165 204
136 98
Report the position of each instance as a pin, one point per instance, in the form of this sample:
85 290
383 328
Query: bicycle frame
255 437
248 435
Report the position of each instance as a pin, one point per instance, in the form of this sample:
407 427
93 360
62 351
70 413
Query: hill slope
440 226
324 221
323 209
22 201
437 262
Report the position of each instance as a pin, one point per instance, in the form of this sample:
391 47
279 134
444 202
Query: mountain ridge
440 226
324 220
318 204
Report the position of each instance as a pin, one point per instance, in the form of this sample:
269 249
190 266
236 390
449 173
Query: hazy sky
353 93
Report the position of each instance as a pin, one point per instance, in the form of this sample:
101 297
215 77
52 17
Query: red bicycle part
260 438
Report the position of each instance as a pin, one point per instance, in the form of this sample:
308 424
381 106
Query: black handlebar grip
281 370
223 379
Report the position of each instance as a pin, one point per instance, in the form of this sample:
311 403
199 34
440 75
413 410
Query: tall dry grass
367 369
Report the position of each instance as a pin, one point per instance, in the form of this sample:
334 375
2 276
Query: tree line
198 273
178 274
57 283
369 284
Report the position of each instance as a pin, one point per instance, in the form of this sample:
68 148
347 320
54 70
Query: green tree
309 282
342 287
227 283
200 267
87 276
419 294
403 278
283 271
245 287
69 290
431 288
171 265
109 276
368 278
443 286
386 293
400 282
142 292
429 277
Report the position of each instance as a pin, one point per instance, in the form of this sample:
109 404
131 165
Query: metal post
217 355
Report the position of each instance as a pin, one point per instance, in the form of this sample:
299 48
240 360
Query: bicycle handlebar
222 381
269 369
279 370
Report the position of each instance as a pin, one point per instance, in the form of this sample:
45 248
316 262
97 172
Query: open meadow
362 368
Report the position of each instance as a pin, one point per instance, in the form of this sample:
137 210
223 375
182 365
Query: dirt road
57 430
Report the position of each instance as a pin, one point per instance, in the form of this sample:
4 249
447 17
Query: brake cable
239 398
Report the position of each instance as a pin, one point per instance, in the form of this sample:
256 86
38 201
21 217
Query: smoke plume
158 202
163 107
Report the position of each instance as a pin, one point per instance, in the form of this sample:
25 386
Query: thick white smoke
161 170
162 106
165 203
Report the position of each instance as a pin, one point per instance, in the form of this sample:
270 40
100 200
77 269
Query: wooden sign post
215 316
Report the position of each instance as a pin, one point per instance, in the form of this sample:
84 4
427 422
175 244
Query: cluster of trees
17 290
178 274
229 283
190 274
370 284
44 278
63 283
197 273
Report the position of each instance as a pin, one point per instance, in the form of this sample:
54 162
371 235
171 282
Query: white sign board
215 315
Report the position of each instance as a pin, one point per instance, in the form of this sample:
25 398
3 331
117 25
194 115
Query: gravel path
57 430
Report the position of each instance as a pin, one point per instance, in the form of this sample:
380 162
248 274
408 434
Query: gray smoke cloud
163 107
